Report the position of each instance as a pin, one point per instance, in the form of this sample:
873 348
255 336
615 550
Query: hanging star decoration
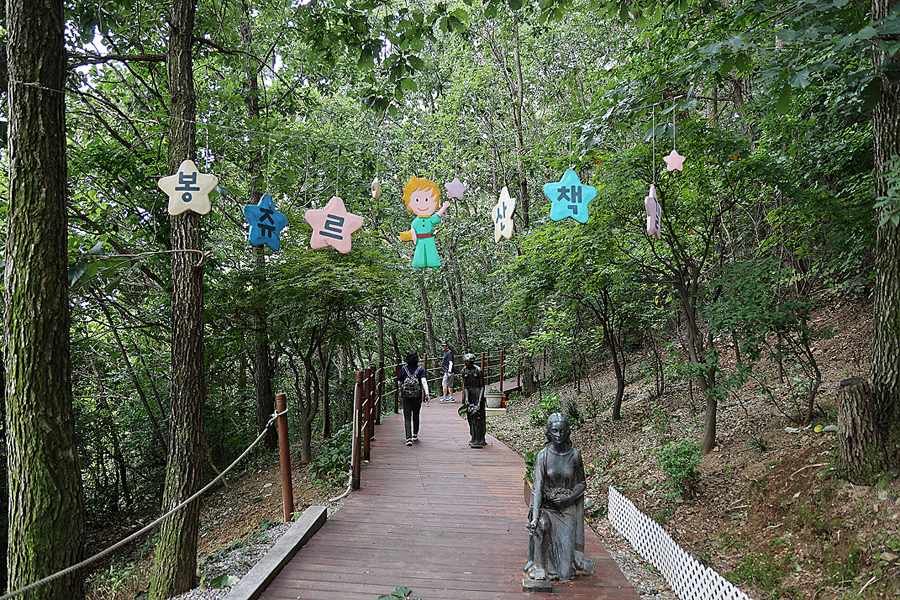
265 222
502 215
188 189
332 226
674 161
569 198
654 213
456 189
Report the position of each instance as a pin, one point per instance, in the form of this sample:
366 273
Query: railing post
379 392
357 418
396 389
502 363
425 366
368 428
284 454
487 367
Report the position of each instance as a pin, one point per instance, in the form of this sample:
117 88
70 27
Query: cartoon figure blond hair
422 197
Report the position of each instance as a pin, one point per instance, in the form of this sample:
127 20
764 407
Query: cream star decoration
332 226
456 189
502 215
674 161
188 189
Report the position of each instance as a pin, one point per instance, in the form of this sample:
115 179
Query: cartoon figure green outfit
422 197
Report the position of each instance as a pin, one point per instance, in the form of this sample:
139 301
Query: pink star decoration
455 189
674 161
188 189
332 226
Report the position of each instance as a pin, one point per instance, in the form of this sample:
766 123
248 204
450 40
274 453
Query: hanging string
674 108
653 142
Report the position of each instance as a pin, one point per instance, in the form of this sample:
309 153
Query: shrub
332 461
547 406
679 462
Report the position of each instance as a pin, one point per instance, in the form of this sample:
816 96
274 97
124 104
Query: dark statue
473 398
556 517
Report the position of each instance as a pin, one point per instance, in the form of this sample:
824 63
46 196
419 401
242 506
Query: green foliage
846 566
222 581
547 405
573 413
679 461
758 444
530 458
762 570
331 463
398 594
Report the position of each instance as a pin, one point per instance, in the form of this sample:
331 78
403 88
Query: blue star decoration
569 198
266 223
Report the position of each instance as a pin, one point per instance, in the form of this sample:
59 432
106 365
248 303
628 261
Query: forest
154 343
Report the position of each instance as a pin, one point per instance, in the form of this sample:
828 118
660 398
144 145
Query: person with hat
447 380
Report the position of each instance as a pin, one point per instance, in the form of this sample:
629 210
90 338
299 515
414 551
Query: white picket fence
688 578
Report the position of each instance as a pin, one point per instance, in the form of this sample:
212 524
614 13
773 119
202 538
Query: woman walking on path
413 387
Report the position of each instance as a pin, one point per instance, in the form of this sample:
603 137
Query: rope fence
688 578
133 536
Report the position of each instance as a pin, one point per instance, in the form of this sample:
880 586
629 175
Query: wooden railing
372 394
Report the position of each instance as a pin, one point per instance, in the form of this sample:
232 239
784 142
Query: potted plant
493 397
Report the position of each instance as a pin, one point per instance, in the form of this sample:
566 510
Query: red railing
369 398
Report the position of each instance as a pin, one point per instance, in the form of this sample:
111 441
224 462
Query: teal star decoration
266 223
569 198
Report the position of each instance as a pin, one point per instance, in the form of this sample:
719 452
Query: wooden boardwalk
443 519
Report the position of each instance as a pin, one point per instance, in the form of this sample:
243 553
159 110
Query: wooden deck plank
443 519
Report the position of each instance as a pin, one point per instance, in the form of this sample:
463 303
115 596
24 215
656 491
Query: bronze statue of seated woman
556 517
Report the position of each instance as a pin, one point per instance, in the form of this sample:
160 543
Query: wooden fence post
396 389
367 412
284 454
357 422
379 392
502 363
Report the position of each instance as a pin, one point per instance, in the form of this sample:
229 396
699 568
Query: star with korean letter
455 189
569 198
502 215
332 226
266 223
674 161
188 189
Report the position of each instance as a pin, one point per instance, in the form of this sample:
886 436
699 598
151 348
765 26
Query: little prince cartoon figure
422 197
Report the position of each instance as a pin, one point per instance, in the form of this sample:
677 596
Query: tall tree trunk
175 568
860 440
430 347
515 85
462 333
44 536
885 364
262 368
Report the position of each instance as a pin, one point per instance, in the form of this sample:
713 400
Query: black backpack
410 386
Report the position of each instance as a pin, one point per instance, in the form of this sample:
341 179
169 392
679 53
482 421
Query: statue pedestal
537 586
